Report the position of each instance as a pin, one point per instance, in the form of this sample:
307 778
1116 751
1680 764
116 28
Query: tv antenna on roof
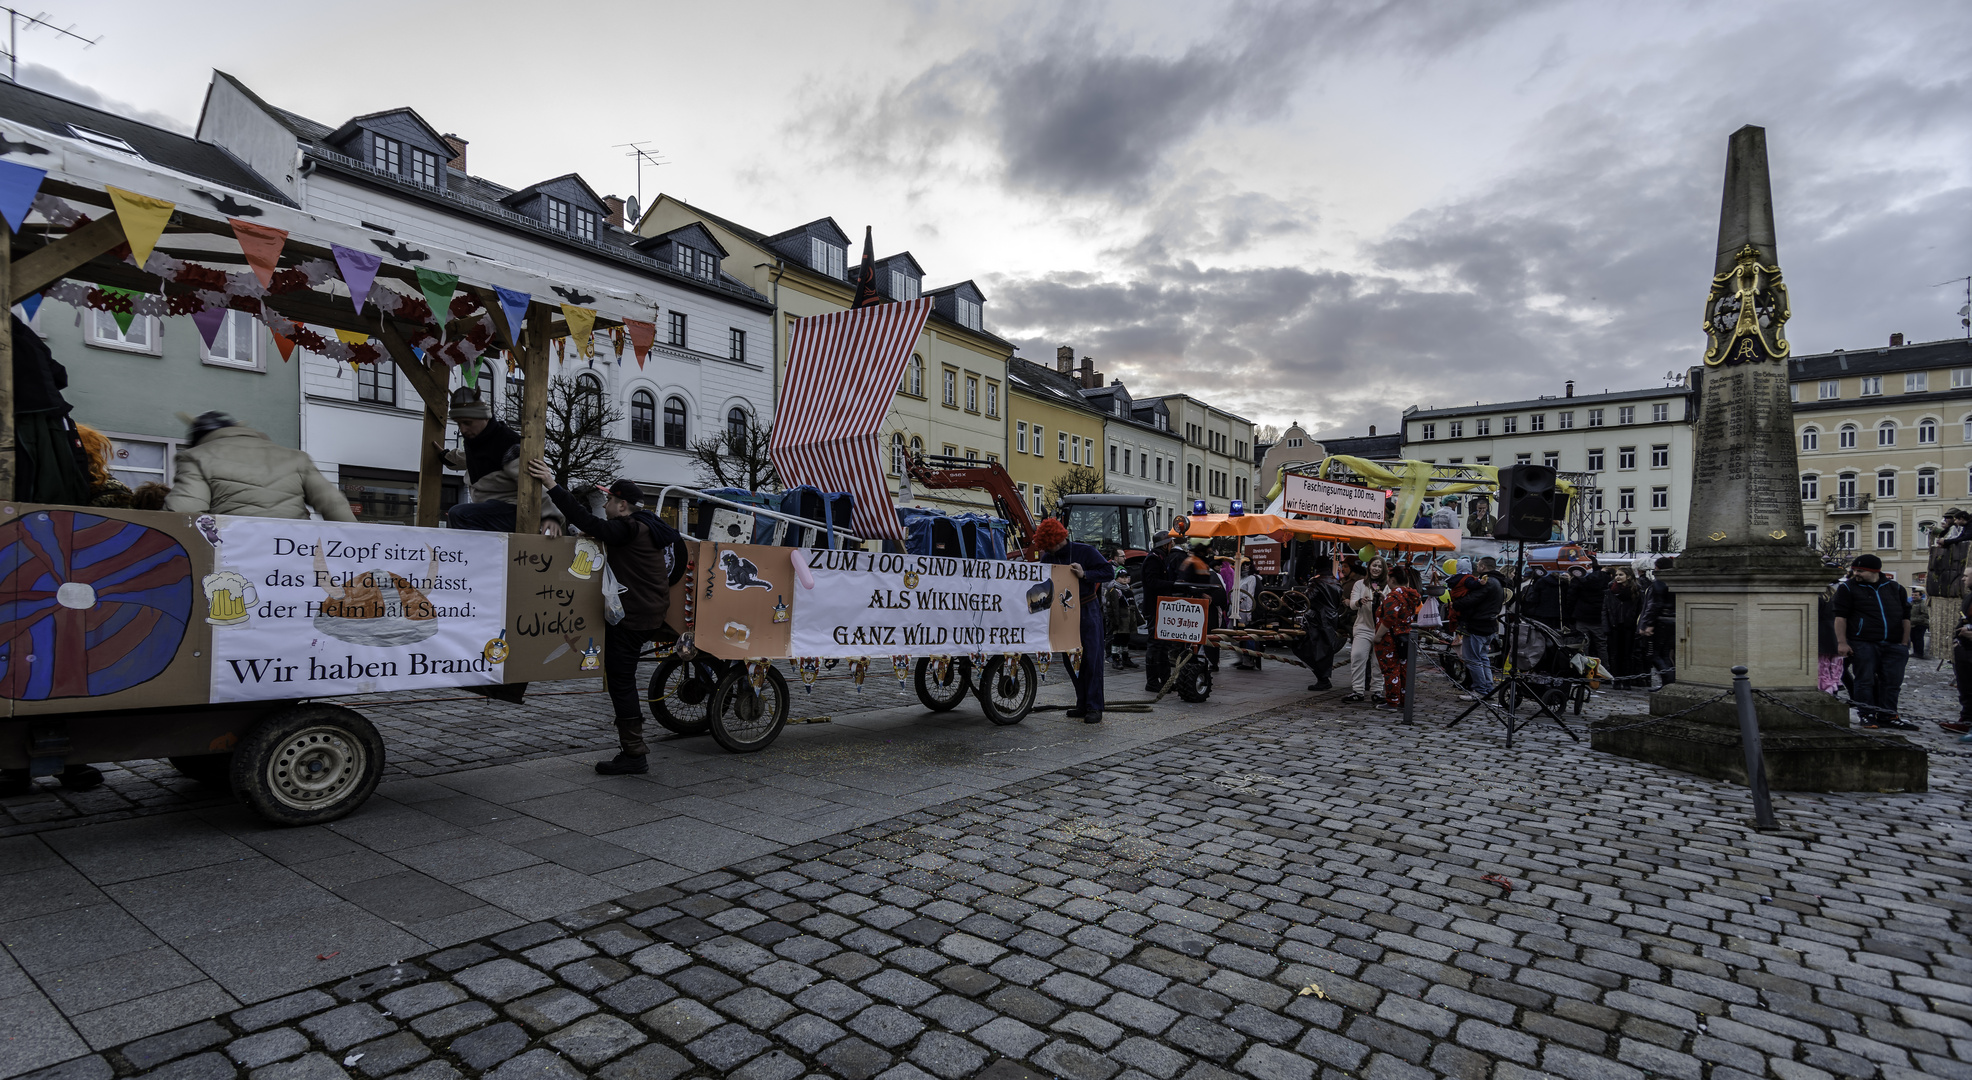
1964 313
14 20
644 157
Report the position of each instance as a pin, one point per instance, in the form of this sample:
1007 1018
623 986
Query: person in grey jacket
232 469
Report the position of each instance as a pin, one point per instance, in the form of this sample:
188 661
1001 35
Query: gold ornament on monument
1746 313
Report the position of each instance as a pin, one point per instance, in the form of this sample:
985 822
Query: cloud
1055 107
49 80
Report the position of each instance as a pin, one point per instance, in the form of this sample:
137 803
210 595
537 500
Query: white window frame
229 329
1927 431
1626 414
171 447
1927 483
1872 386
1660 412
102 333
1625 458
1961 378
1886 483
1595 417
1916 382
1886 433
1509 425
386 154
1566 420
1810 487
968 312
1810 439
1829 390
1482 426
1660 498
557 214
1455 429
1660 456
583 223
1596 461
951 388
827 258
1886 536
1020 436
972 393
1427 432
992 398
1537 421
1847 436
418 160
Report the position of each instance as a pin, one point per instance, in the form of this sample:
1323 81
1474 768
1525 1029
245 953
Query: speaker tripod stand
1515 683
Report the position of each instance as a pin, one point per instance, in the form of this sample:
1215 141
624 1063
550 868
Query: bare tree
577 424
1076 480
1267 433
726 461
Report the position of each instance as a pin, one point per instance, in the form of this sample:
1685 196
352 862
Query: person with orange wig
1088 565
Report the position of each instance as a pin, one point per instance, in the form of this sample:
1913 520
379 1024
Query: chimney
1896 339
1064 359
615 206
1570 390
458 146
1089 379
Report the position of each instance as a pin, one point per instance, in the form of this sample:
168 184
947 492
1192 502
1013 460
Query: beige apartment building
1218 454
1885 442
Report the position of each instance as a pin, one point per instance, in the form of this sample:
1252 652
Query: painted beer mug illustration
228 598
588 556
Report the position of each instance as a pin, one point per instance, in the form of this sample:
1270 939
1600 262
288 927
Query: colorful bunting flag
513 305
262 246
286 347
30 305
143 217
581 328
209 321
359 270
642 336
123 318
352 337
18 185
438 288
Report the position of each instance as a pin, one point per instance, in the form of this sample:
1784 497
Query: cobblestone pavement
1293 893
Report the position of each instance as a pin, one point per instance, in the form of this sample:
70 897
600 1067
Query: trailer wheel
943 695
308 764
213 770
745 720
1195 680
678 695
1006 691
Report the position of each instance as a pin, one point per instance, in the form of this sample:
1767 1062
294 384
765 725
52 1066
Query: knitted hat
468 405
1867 562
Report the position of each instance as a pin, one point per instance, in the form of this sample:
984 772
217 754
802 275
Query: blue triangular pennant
18 185
31 304
513 305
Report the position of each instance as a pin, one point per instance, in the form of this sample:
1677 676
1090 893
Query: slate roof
169 149
1647 393
1922 356
1050 386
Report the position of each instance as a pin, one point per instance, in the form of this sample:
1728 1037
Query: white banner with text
861 603
1307 495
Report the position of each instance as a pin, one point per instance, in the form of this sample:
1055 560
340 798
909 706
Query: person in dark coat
1476 601
1320 640
1586 590
1541 598
1620 611
641 550
1658 624
1091 571
1156 575
1872 629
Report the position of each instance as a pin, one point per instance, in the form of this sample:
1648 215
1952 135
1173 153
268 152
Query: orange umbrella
1399 539
1200 526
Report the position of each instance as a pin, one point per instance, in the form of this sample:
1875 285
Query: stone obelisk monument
1747 582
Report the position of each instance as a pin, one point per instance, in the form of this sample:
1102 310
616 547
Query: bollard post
1410 672
1749 741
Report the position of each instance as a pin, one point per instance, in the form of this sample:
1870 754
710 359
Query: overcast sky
1321 212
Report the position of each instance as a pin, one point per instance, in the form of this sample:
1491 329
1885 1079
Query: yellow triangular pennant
351 337
143 218
581 327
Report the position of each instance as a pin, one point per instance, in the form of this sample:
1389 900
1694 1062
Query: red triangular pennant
283 344
262 246
642 336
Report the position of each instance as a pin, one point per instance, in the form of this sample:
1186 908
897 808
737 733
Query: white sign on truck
1307 495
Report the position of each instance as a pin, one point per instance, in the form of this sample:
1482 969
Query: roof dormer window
104 141
585 224
386 154
826 258
968 312
903 286
424 167
684 258
557 214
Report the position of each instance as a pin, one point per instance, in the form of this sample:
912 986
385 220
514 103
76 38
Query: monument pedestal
1764 619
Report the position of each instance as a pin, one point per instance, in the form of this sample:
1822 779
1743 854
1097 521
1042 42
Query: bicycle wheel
678 695
943 695
745 720
1006 691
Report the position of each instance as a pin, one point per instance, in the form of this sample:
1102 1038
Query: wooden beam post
432 388
533 356
7 447
43 266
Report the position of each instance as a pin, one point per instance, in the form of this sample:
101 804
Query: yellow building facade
953 397
1052 431
1884 438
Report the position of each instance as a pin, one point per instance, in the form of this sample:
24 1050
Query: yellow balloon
1451 566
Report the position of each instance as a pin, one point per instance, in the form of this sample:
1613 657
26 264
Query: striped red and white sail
842 371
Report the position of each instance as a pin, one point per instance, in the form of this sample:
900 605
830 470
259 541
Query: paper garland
143 218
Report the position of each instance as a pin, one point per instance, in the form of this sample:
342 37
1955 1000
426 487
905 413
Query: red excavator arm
942 471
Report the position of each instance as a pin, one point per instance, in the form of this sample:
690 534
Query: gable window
1482 426
236 344
736 344
736 425
968 312
1845 439
643 418
1810 487
424 167
1886 433
585 224
903 286
142 337
377 383
678 329
674 422
1810 438
386 154
684 258
826 257
557 215
1927 431
1828 389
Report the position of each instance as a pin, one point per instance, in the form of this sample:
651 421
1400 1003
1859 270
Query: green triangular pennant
123 318
438 289
469 373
